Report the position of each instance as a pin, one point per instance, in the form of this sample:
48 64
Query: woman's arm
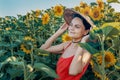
58 48
80 60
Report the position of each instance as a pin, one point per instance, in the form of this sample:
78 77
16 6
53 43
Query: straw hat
69 15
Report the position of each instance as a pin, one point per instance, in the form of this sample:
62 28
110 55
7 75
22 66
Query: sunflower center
107 59
58 10
96 14
86 12
46 18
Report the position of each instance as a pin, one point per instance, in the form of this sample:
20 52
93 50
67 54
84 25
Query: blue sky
14 7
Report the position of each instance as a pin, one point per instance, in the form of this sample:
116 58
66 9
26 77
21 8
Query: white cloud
116 6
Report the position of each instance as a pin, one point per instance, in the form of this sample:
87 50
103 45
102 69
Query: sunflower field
21 37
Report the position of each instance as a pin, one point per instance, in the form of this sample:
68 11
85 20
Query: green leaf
116 42
41 52
92 35
46 69
1 75
89 48
1 65
14 72
106 30
113 74
113 1
2 52
16 63
111 29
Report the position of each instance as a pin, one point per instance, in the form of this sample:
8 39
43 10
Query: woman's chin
72 36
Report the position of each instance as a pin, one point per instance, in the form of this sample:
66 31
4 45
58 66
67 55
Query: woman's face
76 29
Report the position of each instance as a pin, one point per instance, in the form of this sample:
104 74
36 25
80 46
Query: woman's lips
72 32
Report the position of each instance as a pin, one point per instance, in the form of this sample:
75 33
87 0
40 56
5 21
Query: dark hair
85 22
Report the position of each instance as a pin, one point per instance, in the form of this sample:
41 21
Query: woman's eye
77 26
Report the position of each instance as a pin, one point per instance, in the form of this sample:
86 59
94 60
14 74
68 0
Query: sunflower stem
11 43
33 26
102 38
103 58
119 55
32 59
25 71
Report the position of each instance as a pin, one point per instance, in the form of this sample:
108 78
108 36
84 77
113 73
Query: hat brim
69 15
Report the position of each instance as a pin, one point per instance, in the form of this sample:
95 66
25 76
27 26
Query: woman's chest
70 51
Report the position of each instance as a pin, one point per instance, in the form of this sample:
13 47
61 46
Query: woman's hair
86 24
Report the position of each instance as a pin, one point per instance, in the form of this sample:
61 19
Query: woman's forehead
77 20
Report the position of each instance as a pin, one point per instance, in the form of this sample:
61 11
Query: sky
14 7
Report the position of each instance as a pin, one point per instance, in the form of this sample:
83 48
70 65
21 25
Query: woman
74 60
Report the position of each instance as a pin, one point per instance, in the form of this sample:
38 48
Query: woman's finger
65 25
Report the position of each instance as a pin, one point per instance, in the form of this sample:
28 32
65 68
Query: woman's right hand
63 28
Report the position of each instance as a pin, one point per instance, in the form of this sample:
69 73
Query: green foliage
44 68
22 36
89 48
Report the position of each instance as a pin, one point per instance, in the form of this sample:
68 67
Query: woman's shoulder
84 51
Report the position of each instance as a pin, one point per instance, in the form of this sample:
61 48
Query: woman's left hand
85 38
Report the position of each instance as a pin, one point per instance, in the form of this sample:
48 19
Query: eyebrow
85 22
77 24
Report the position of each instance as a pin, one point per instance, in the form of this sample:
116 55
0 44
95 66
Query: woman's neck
76 40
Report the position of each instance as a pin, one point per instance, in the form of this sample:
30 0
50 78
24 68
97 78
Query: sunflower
99 75
45 18
7 29
83 4
26 48
95 13
106 78
37 13
100 4
92 63
77 8
85 10
28 38
7 18
109 59
58 10
117 14
95 31
65 37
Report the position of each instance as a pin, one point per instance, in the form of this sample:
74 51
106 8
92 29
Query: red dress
63 69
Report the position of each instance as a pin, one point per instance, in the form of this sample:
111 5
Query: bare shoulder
86 53
83 52
86 56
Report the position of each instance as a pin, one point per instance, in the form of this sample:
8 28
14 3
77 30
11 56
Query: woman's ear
86 32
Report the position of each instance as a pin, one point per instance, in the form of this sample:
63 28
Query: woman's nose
71 27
